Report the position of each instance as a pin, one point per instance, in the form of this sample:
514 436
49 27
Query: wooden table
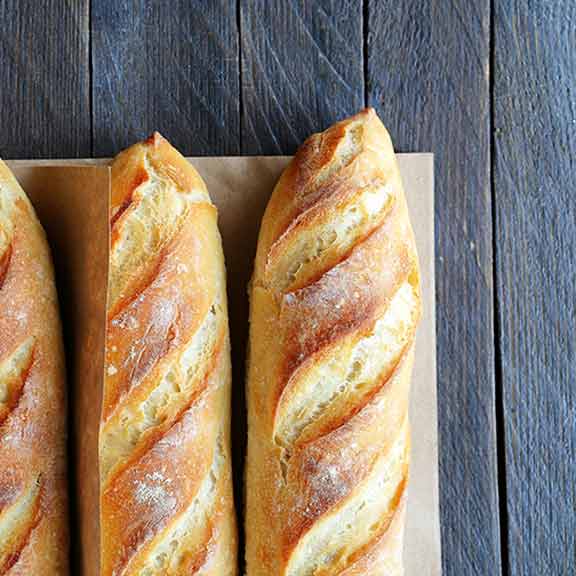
488 86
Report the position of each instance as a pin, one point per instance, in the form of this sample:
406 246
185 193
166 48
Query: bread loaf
166 504
33 511
334 305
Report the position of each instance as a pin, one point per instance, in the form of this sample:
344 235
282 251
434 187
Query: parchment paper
240 187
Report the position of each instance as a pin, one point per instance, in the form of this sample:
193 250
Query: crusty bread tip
334 305
33 510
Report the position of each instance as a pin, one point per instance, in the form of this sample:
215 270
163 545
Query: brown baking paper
240 187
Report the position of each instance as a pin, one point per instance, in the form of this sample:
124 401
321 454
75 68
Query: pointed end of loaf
348 169
156 140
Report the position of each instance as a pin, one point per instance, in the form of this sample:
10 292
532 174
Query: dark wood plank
427 76
171 67
535 194
44 79
302 69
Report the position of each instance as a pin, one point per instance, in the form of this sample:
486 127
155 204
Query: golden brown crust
33 508
166 494
335 301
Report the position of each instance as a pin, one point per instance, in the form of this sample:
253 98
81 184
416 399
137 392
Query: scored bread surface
166 505
334 305
33 510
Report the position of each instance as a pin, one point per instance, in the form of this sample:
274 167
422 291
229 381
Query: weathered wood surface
44 79
427 76
535 192
302 69
167 66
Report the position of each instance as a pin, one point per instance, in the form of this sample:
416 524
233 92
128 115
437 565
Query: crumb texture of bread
334 306
166 504
33 503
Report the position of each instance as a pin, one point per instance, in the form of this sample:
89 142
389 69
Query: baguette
33 503
335 301
166 504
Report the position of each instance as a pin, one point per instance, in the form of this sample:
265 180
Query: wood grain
44 79
428 66
535 184
302 69
171 67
